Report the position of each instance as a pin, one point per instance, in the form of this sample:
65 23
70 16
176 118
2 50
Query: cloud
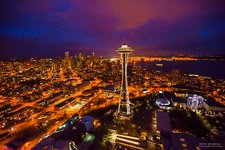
148 26
132 14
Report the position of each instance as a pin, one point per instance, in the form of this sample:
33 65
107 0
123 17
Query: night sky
47 28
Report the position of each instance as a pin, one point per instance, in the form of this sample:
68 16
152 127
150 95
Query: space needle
124 108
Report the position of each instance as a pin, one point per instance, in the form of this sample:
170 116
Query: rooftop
109 88
163 121
181 141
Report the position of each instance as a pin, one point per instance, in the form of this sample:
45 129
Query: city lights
112 75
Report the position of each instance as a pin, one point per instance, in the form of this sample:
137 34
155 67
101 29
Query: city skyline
91 102
48 29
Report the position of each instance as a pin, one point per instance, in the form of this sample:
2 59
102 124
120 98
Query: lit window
182 139
184 145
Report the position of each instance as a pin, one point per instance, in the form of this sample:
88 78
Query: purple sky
47 28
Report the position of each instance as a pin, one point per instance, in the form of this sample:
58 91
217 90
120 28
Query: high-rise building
67 58
124 108
67 55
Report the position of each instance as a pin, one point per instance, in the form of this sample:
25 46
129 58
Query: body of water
211 68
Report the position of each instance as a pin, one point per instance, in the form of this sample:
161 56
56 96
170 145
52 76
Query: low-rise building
109 91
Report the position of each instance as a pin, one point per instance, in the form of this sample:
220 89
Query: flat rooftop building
164 129
181 141
163 122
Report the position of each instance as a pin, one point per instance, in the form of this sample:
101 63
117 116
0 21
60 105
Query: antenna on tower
124 40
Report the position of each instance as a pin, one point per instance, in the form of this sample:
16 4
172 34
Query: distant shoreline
166 57
209 68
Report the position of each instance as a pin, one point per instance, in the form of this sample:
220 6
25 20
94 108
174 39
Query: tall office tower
124 108
67 55
68 60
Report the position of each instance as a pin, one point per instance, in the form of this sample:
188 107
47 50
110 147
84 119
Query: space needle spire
124 108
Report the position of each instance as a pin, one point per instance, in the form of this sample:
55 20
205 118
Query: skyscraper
124 108
67 58
67 55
